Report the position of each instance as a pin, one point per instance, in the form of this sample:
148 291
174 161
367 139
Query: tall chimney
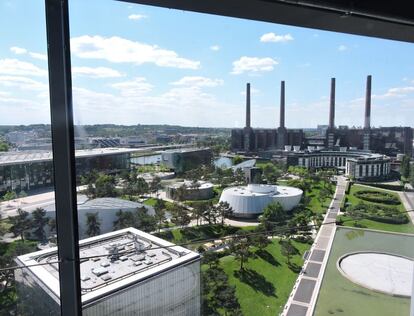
367 123
248 105
332 105
282 104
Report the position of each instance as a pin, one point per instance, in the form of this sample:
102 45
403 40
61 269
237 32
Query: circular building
249 201
201 190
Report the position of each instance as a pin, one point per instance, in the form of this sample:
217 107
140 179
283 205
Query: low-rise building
181 160
126 272
199 190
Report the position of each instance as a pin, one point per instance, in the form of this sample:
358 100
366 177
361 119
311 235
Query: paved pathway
408 200
303 296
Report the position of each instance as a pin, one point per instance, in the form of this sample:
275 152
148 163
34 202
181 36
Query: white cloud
98 72
120 50
22 83
136 17
23 51
132 88
397 92
252 91
198 81
272 37
18 50
215 48
253 64
342 48
20 68
38 56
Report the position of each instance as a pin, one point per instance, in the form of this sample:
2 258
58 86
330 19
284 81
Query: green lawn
152 201
268 280
401 228
315 204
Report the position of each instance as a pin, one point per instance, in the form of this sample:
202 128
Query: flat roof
130 256
339 292
20 157
264 189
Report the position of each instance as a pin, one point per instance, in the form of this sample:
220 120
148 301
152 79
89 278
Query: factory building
126 272
384 140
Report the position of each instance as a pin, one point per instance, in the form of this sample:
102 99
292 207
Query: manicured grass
340 296
315 204
353 200
152 201
267 281
366 223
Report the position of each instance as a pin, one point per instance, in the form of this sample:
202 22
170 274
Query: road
303 296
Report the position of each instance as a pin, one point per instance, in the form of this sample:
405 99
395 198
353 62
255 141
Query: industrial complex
126 272
384 140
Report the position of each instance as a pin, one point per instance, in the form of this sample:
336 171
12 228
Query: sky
134 64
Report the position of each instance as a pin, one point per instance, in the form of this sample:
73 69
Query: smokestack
332 105
282 104
367 123
248 105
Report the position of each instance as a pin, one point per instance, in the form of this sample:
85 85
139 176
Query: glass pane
27 222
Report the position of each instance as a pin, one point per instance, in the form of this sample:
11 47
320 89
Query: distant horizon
150 67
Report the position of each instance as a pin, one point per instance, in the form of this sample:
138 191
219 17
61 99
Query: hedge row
377 197
385 186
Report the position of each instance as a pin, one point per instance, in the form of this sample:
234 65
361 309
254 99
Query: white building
249 201
130 273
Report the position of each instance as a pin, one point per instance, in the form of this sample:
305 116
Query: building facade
181 160
356 164
135 274
25 171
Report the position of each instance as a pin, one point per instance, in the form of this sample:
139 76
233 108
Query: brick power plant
384 140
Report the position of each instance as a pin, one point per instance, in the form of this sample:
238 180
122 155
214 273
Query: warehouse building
126 272
181 160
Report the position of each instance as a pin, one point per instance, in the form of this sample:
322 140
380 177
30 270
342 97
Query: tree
9 195
93 224
273 215
20 223
52 228
90 191
141 186
181 192
105 186
271 173
237 159
225 298
210 258
287 249
155 185
39 221
224 210
261 241
198 211
412 176
179 215
123 220
145 221
405 167
22 194
159 209
240 248
4 146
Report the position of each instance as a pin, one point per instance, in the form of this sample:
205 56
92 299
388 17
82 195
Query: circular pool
382 272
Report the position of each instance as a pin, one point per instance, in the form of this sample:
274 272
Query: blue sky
137 64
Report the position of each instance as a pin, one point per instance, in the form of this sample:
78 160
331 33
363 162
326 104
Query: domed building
249 201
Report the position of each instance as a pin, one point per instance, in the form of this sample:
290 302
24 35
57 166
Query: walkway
303 296
408 200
